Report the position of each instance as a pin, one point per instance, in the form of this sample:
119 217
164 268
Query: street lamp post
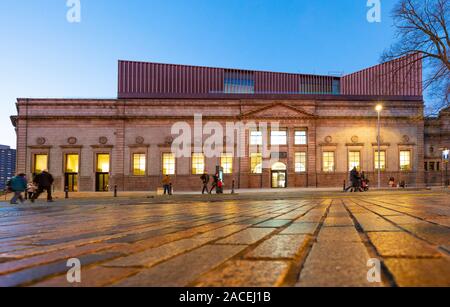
445 159
379 108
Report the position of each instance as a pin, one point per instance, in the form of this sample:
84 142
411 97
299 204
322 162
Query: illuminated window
300 137
40 163
168 164
103 163
405 160
139 164
256 138
72 163
382 160
278 137
226 162
256 163
198 163
328 161
300 162
354 160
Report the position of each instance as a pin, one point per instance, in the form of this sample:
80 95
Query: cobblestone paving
323 241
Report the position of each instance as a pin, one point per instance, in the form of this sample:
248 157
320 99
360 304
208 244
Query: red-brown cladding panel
400 77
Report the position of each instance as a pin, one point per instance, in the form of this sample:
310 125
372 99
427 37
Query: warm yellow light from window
226 162
72 162
103 163
198 164
40 163
168 164
256 163
138 164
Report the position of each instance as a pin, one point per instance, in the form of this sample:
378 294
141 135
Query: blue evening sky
43 55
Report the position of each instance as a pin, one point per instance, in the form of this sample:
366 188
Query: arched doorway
279 175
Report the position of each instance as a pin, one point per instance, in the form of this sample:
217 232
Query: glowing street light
379 108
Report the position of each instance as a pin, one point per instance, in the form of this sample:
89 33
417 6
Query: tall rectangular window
72 163
405 160
168 164
300 162
139 164
328 161
278 137
300 137
382 160
354 160
226 162
198 163
256 138
256 163
40 163
103 163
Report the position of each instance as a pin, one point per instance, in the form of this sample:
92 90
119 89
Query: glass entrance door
71 172
102 182
71 182
102 173
279 179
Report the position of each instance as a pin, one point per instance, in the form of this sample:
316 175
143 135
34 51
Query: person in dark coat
355 179
215 183
44 182
18 185
205 180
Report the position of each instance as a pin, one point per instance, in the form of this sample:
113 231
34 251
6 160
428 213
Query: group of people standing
40 183
359 181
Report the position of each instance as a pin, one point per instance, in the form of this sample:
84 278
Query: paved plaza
322 239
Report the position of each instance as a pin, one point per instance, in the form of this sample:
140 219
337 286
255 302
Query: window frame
227 156
254 165
301 136
409 160
285 137
196 156
334 161
163 155
300 154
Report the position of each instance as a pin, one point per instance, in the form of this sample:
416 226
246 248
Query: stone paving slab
322 240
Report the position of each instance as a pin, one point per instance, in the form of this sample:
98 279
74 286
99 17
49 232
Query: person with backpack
44 182
18 185
205 181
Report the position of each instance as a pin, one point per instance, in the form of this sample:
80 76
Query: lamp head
379 108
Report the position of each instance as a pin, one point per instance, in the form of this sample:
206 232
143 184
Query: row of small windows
243 82
431 166
278 137
139 161
354 160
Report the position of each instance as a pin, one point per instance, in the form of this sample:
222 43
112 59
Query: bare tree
422 26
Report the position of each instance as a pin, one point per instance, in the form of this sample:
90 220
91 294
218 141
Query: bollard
344 186
232 187
115 190
66 191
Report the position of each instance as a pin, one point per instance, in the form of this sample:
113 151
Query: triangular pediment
278 110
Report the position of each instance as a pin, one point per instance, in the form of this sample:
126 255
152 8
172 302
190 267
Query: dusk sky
42 55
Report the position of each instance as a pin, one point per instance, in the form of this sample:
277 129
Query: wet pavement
323 240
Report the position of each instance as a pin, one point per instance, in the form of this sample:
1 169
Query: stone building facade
94 145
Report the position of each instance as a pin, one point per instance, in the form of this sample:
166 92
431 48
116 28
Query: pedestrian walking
167 185
215 183
205 181
18 185
31 189
44 182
